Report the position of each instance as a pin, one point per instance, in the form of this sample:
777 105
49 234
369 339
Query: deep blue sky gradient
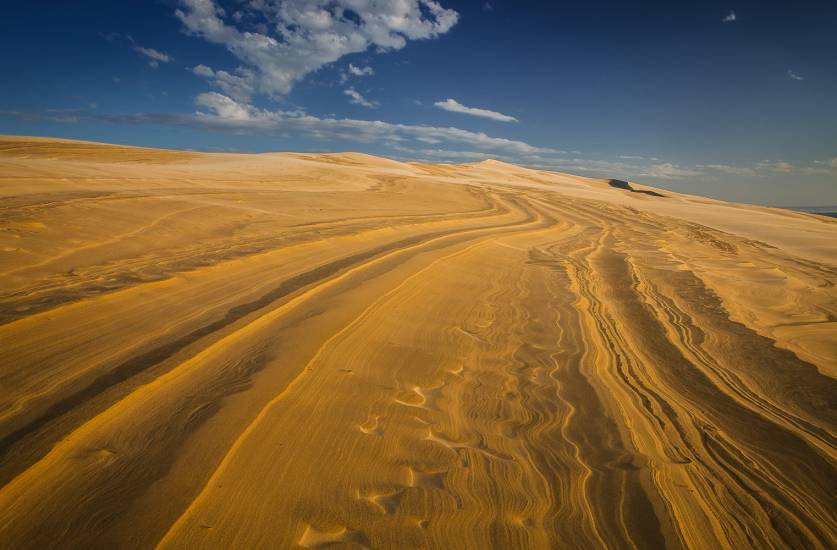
662 80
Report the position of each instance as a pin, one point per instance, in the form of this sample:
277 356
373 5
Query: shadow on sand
619 184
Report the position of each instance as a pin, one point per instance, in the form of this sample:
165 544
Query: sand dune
302 350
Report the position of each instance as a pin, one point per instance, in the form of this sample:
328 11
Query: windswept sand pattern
283 351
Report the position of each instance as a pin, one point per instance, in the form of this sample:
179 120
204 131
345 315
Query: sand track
279 351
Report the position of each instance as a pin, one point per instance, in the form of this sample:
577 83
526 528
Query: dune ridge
206 350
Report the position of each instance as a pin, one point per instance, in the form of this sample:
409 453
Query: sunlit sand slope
291 350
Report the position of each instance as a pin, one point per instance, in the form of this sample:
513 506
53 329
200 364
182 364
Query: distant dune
338 350
830 211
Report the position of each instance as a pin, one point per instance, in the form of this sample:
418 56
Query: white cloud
794 76
668 171
361 71
631 157
358 99
223 112
155 57
228 109
730 17
456 107
355 71
278 43
239 85
203 70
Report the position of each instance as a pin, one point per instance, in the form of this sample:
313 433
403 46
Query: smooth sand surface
337 350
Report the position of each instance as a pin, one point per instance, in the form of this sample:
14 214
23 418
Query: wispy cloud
792 75
64 116
361 71
358 99
604 168
728 169
730 17
447 155
116 37
155 57
779 166
221 112
669 171
456 107
278 43
821 167
352 70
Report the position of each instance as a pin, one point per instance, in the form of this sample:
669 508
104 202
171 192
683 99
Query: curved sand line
282 350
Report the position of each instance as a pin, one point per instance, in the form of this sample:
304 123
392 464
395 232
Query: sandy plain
337 350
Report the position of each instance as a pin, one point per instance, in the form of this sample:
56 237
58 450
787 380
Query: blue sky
735 100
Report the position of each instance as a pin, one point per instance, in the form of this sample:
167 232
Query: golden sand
309 350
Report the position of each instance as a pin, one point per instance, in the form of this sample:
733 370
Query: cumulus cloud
730 17
456 107
239 85
228 109
155 57
358 99
279 42
792 75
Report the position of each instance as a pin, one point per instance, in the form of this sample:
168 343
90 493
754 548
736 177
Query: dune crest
336 350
